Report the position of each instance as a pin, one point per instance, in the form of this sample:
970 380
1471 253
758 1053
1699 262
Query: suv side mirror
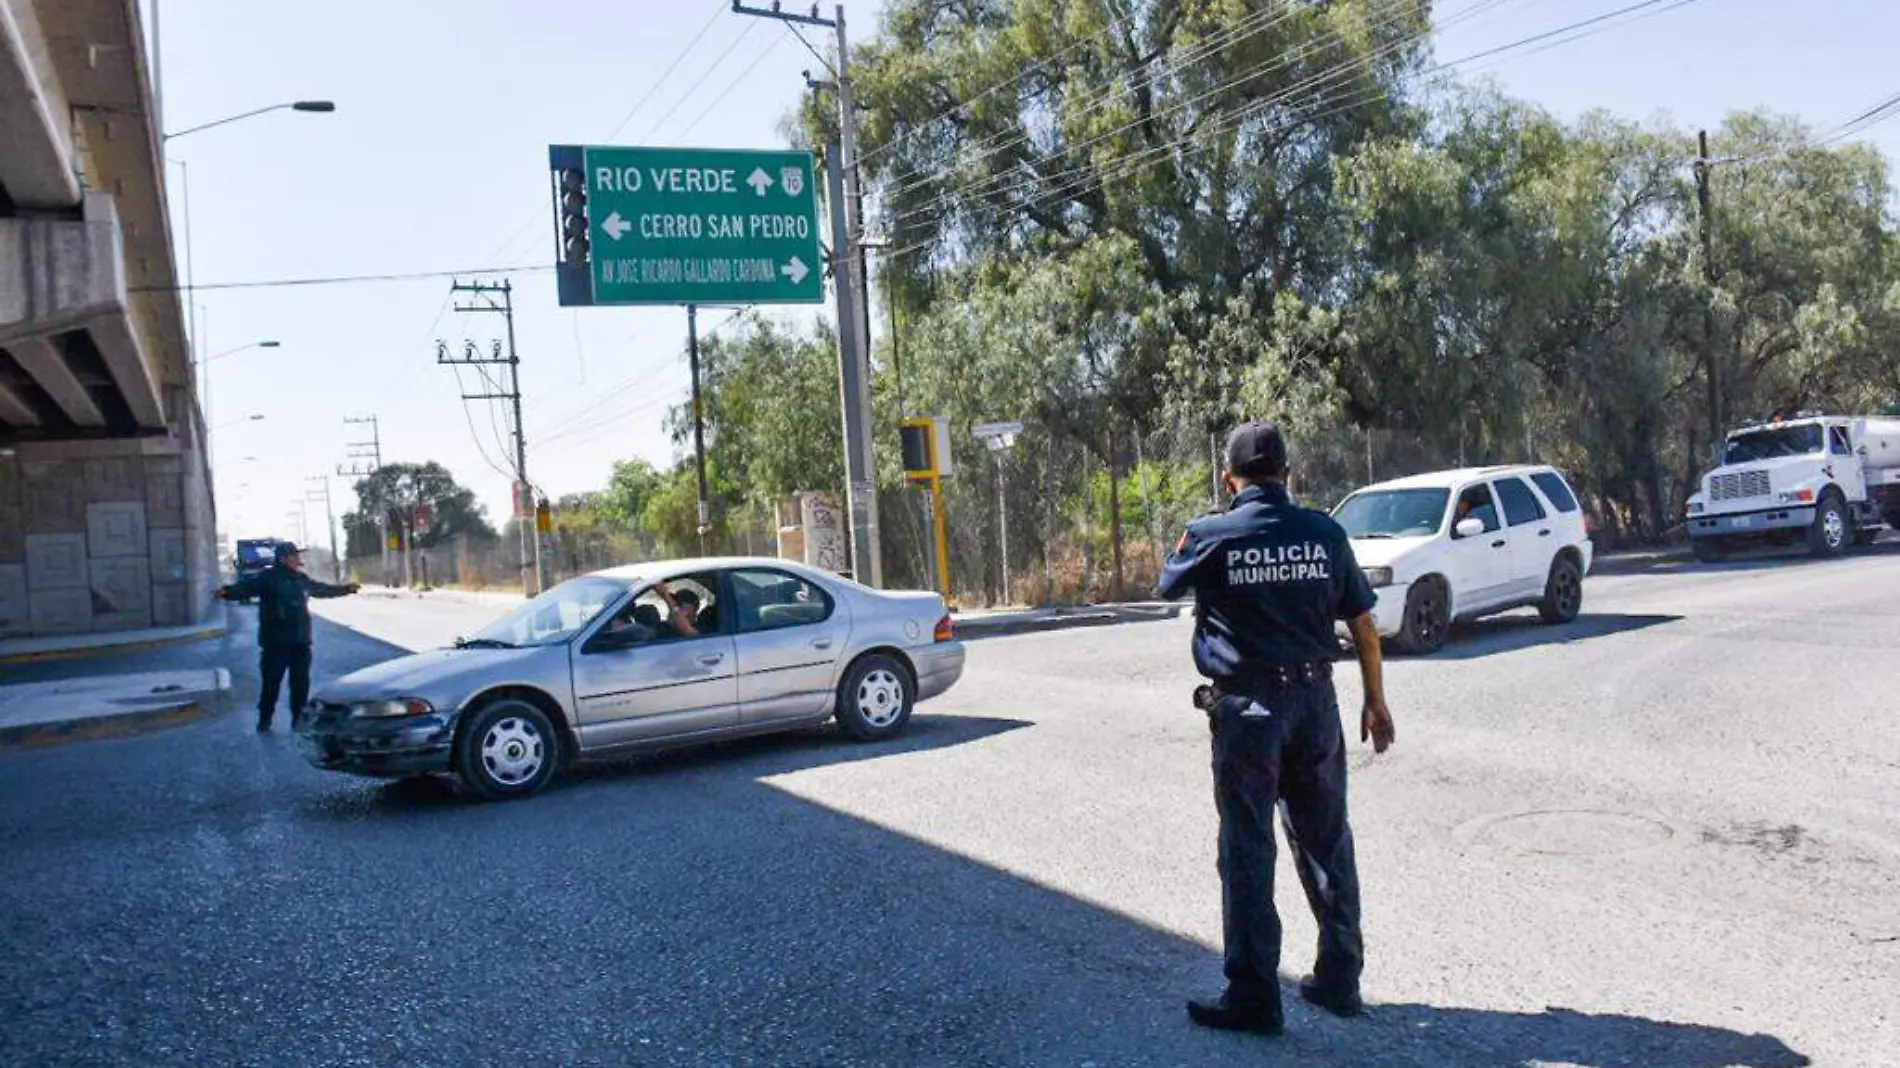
1468 527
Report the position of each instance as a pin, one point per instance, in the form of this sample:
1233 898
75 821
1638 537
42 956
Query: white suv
1463 544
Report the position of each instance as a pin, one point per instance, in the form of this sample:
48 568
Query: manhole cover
1577 832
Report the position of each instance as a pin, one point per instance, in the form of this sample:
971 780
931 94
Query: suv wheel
1563 592
875 699
509 749
1427 617
1832 532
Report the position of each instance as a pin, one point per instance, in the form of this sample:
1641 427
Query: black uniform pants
273 662
1295 757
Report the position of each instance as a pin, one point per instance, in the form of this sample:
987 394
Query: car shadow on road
1460 1036
1743 562
1514 632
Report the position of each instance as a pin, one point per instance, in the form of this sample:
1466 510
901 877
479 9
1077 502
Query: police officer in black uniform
283 593
1270 580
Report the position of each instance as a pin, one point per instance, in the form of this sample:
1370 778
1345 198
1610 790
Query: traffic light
574 224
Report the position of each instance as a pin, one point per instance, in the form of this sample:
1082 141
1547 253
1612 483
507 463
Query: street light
244 348
318 106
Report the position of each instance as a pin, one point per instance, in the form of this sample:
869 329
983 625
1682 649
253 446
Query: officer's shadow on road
1517 631
1456 1036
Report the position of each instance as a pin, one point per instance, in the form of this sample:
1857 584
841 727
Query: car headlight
1379 576
401 706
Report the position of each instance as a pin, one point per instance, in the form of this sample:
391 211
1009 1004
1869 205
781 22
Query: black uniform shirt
1270 580
283 603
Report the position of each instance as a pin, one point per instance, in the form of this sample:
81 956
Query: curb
1063 619
94 728
119 724
209 630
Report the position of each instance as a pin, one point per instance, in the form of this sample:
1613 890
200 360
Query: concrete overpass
106 519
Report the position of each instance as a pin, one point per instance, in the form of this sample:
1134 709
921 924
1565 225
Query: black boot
1338 1002
1258 1018
263 722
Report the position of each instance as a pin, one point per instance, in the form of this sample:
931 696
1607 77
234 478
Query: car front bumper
1708 526
1388 614
939 667
330 738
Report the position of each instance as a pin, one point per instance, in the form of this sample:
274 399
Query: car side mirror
1468 527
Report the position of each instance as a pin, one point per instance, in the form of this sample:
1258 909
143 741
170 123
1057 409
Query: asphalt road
1667 835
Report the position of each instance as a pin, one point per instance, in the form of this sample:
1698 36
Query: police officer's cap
288 548
1256 450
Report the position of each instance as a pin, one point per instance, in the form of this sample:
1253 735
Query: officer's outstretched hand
1375 725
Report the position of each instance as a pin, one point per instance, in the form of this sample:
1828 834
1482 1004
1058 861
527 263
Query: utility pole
699 426
485 299
847 263
1709 358
329 522
359 453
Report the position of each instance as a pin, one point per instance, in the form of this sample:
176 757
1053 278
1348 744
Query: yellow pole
942 527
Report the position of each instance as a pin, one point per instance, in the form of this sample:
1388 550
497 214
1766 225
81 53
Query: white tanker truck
1824 480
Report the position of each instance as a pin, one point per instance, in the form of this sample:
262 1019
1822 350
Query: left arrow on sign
759 180
616 226
795 270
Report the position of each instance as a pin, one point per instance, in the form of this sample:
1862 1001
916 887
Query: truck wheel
1709 550
1427 618
1832 532
1563 592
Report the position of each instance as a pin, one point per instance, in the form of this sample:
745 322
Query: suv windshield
554 616
1770 444
1404 513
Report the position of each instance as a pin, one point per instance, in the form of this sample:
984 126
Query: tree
393 493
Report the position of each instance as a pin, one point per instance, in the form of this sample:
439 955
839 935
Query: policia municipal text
1270 580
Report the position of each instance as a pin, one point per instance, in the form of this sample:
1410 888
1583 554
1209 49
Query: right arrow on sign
759 180
616 226
795 270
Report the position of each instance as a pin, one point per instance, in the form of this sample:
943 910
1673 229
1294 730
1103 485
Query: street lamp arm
295 105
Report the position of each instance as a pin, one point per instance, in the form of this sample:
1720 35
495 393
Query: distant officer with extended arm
283 593
1270 581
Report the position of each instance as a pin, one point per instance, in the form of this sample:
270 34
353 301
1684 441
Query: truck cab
1829 481
252 556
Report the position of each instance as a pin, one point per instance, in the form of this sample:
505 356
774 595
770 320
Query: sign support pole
699 425
853 390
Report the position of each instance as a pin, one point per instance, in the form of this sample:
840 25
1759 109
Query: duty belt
1276 675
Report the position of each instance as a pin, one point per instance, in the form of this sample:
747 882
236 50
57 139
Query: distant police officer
1270 580
283 593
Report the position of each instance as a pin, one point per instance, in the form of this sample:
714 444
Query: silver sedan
644 657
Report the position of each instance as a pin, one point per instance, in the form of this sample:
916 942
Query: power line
1240 115
730 48
351 279
1001 182
719 8
770 47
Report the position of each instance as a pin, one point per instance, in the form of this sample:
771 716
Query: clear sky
436 160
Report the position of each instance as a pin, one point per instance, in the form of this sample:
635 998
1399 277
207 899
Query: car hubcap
1426 623
1569 592
881 698
512 751
1834 528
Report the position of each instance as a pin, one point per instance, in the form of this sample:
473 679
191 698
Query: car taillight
945 629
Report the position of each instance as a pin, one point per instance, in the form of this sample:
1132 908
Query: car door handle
821 643
1543 533
1498 544
713 659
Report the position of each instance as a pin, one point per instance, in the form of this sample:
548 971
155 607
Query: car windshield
1404 513
554 616
1770 444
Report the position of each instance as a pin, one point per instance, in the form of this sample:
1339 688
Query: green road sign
687 226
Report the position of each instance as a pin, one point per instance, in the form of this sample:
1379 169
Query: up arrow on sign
759 180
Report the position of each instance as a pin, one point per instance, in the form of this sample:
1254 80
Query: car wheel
1563 592
875 699
509 749
1709 550
1427 618
1831 533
